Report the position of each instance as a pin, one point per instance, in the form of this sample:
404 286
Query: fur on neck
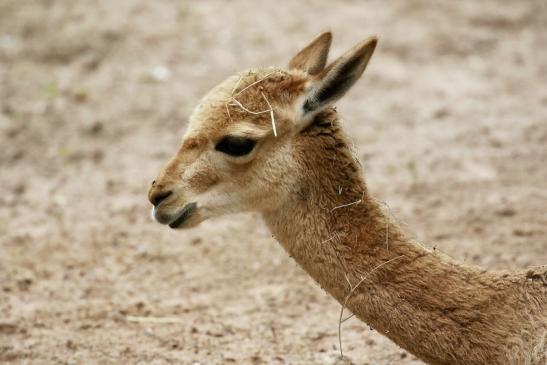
440 310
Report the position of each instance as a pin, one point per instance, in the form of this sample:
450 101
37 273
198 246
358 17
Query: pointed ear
313 58
334 81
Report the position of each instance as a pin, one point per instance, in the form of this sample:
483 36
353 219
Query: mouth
182 215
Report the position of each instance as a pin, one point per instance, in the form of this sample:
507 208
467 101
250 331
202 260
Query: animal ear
334 81
313 58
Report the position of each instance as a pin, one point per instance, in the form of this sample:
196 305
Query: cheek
201 175
202 179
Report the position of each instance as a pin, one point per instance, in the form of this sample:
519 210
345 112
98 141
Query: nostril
159 196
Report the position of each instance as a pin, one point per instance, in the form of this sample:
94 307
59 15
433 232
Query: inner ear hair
334 81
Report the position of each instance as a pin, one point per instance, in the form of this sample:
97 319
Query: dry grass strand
352 290
349 204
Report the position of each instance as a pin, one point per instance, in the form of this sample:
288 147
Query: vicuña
270 141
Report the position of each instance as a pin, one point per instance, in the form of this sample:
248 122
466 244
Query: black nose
159 196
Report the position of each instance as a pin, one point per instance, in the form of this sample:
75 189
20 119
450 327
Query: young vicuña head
242 150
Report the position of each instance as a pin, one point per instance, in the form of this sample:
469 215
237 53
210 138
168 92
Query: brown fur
309 189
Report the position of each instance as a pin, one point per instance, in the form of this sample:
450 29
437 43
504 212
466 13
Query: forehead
243 98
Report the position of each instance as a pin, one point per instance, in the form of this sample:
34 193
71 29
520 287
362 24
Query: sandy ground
450 122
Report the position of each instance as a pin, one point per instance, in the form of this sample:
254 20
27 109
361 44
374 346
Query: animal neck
424 301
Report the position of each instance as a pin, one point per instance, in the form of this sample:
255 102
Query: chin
187 216
192 222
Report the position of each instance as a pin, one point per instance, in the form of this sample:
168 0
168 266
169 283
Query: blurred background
450 121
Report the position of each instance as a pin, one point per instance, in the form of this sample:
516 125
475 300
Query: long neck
427 303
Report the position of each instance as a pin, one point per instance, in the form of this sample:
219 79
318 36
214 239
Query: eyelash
235 146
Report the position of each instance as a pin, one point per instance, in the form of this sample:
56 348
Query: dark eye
235 146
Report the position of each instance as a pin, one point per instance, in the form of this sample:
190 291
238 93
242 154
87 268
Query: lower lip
183 215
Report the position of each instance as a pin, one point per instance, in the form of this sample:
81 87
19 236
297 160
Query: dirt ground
450 123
